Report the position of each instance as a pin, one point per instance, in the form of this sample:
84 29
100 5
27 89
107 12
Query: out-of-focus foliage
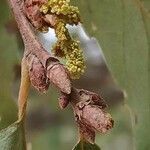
83 145
8 57
12 138
123 29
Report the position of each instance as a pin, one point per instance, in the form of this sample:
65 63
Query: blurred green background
123 29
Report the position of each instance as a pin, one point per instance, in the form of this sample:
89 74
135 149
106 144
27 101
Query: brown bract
32 11
37 73
86 132
39 20
53 72
63 100
89 113
59 77
92 97
94 117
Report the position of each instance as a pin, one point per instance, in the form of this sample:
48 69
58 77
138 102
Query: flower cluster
66 47
69 49
75 60
63 9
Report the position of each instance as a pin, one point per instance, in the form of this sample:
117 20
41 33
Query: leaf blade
84 145
123 29
12 137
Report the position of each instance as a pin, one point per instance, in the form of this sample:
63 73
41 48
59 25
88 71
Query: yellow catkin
66 47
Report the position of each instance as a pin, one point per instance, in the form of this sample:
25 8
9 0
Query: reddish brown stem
31 42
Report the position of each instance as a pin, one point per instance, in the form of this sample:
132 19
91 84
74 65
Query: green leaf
123 30
84 145
6 73
12 137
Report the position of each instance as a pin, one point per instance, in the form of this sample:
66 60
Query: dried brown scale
86 132
31 2
32 11
39 20
41 76
89 114
51 20
96 118
37 73
59 77
92 97
63 100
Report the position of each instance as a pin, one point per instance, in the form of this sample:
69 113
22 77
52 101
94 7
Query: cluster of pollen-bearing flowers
66 47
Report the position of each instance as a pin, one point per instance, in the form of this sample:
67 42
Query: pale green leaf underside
12 137
83 145
123 30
